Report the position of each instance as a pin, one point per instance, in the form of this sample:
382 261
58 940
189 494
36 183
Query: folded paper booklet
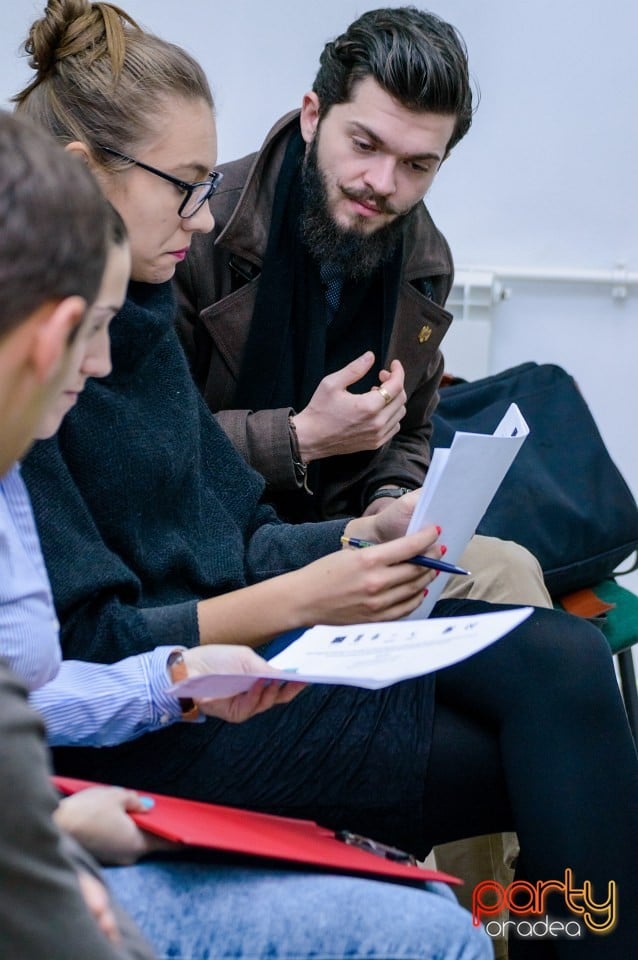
459 486
368 655
260 835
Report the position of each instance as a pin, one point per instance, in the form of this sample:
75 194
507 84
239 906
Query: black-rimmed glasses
196 194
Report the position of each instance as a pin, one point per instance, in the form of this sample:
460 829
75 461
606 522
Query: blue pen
419 560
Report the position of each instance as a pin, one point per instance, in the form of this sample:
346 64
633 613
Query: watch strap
394 492
177 671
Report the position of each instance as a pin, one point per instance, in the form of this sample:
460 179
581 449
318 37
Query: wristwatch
394 492
177 671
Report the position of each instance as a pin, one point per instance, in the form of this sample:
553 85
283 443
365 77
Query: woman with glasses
154 533
188 906
192 909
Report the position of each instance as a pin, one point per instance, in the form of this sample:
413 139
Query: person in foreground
49 345
53 903
153 528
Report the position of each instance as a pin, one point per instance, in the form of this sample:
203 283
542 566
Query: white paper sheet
370 655
459 487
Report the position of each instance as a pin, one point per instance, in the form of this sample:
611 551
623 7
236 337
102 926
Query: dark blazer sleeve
42 911
215 291
215 319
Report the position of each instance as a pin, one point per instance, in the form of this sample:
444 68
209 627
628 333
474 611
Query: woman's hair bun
72 28
50 38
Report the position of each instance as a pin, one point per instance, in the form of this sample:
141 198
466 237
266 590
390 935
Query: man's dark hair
54 226
416 57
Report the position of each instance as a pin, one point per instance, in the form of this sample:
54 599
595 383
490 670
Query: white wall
544 179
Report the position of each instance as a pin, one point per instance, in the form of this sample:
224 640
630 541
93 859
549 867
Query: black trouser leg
539 715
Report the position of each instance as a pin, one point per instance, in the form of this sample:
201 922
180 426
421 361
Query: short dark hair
416 57
53 223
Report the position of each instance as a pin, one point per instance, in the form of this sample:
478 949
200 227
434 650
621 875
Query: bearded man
313 314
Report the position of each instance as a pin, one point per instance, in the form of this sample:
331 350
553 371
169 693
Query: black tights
537 718
530 734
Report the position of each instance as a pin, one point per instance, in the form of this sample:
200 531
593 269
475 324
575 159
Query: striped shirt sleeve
29 629
104 704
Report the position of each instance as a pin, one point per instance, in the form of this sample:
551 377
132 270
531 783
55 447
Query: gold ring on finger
387 397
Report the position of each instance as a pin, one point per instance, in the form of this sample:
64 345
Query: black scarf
290 347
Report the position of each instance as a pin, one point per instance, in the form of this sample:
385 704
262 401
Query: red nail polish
438 530
425 592
443 549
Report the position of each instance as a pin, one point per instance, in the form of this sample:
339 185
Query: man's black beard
354 254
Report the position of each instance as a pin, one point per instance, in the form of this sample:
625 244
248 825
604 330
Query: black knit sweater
143 505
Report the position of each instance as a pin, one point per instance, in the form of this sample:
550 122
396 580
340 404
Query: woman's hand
223 658
349 586
371 583
98 818
99 906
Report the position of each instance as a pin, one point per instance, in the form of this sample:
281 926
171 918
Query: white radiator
478 291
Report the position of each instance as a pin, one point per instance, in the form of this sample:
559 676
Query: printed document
459 487
370 655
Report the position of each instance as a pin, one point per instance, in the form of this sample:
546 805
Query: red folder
261 835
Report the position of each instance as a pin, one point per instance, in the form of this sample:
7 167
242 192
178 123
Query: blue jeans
210 911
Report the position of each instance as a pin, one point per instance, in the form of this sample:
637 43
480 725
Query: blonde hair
100 78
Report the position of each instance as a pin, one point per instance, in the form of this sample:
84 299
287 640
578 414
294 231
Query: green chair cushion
619 625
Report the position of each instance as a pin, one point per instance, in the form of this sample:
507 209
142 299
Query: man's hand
380 503
222 658
337 422
388 523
